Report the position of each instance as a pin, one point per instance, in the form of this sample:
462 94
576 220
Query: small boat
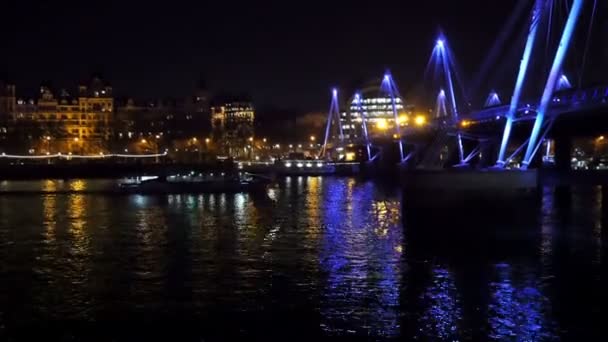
196 183
305 168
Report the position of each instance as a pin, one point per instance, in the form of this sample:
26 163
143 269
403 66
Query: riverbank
100 170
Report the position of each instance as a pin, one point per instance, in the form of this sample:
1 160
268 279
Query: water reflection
443 314
49 207
321 255
518 309
77 185
362 266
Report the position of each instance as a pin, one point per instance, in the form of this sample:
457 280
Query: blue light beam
389 85
563 83
521 77
440 109
442 51
552 80
333 111
358 99
492 100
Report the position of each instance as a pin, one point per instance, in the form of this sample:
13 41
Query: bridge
453 138
567 102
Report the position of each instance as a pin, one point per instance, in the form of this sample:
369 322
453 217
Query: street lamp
46 140
420 120
48 143
78 145
382 124
312 138
198 149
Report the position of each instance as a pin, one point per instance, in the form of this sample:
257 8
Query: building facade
379 114
232 122
57 122
177 126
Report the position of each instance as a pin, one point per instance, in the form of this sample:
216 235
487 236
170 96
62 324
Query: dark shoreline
100 170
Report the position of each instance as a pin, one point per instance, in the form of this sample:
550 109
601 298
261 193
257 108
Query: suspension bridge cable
499 45
549 26
587 43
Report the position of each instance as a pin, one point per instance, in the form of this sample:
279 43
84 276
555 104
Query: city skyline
393 170
287 58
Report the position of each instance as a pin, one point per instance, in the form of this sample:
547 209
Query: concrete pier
456 188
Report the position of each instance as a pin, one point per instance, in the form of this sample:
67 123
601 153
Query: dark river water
312 257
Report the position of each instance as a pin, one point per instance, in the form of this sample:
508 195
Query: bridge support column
521 77
552 80
563 153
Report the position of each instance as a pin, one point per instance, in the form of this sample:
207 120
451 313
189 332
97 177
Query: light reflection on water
518 308
443 313
358 254
328 256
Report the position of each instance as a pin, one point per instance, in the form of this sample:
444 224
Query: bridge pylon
536 16
554 74
333 114
389 86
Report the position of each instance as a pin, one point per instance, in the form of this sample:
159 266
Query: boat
305 168
195 183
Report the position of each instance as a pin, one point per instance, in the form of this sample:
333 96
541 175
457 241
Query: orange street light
382 124
420 120
403 119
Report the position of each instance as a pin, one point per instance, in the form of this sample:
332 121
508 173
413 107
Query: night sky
288 54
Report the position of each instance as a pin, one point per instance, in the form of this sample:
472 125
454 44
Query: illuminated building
58 122
175 121
7 107
232 122
172 118
378 109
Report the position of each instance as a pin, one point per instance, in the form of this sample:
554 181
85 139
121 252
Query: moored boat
196 183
